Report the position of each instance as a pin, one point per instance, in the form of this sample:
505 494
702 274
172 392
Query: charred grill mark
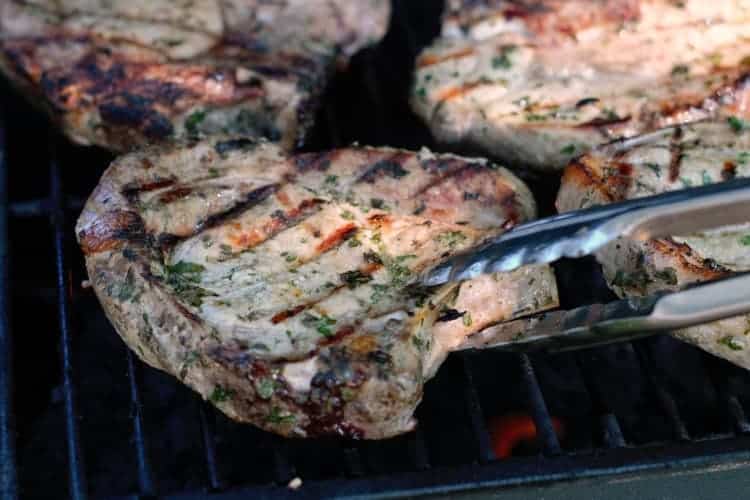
279 222
135 111
675 154
243 144
111 230
132 190
184 310
319 162
430 59
390 167
729 171
175 194
251 199
285 315
620 182
454 92
606 121
338 336
337 237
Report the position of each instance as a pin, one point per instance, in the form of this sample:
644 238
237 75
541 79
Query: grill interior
80 415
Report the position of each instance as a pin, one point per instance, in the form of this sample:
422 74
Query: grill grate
450 451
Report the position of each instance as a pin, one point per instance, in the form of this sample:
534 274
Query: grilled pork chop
280 287
123 73
538 82
670 159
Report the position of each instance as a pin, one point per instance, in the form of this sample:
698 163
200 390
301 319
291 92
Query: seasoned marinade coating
538 82
283 287
121 74
673 158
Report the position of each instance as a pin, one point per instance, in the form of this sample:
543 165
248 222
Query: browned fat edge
707 271
675 154
110 231
584 172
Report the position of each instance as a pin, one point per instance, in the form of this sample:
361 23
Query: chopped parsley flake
277 417
502 61
738 124
729 342
467 321
745 240
668 275
655 168
265 387
451 238
568 150
193 121
322 324
221 394
347 214
352 279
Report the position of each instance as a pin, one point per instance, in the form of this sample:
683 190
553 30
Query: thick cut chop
537 82
281 287
670 159
122 73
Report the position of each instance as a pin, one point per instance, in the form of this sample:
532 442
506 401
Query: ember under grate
87 419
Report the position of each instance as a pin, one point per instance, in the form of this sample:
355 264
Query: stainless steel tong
579 233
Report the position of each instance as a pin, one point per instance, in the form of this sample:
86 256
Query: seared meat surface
538 82
282 287
123 73
673 158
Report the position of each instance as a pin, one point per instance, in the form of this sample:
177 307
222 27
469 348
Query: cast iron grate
92 417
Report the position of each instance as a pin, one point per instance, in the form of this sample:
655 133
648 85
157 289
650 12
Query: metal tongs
583 232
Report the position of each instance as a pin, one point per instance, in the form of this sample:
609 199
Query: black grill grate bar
8 474
538 407
145 476
215 481
666 401
476 419
76 472
612 436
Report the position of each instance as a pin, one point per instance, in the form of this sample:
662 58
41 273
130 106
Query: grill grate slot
667 402
76 470
8 475
612 436
145 475
208 432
